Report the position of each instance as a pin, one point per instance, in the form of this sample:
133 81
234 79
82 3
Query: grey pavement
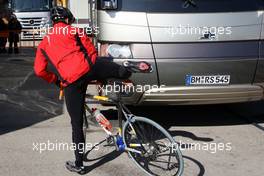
216 139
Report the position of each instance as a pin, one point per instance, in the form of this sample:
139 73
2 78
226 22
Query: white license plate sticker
207 80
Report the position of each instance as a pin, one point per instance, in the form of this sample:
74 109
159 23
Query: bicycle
144 140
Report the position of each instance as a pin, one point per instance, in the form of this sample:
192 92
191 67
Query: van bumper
203 95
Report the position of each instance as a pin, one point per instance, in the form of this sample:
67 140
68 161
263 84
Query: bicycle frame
139 147
122 111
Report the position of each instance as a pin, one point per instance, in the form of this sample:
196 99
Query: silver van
203 52
32 15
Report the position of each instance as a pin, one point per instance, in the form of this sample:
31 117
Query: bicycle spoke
157 157
169 160
160 161
157 166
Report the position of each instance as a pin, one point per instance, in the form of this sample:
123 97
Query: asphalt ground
216 139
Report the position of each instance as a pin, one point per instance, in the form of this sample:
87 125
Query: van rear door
197 38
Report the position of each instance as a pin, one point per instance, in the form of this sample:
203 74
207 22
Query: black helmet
61 14
70 16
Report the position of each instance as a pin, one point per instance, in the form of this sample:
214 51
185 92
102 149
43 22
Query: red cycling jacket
69 50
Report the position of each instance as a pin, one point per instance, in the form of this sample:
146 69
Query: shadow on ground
99 155
200 115
28 103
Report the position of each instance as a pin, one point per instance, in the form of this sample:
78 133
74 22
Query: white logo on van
187 3
208 36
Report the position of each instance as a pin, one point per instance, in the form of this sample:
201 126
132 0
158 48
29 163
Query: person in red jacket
75 59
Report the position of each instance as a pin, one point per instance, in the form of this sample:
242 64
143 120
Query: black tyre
160 154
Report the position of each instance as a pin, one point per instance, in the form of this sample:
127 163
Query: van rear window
190 6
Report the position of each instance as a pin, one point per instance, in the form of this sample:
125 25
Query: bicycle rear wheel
160 154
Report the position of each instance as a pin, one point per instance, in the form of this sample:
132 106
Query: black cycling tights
75 96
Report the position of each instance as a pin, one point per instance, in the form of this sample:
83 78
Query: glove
58 83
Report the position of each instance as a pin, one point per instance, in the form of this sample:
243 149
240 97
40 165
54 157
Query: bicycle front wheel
157 153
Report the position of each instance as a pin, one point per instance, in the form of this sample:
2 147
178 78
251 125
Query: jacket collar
60 24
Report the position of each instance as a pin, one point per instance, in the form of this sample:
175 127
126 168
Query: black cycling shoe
138 67
4 51
10 50
70 165
16 50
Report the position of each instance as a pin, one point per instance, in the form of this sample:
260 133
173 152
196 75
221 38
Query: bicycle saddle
138 66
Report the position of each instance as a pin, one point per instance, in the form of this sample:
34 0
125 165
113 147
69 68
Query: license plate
207 80
31 33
